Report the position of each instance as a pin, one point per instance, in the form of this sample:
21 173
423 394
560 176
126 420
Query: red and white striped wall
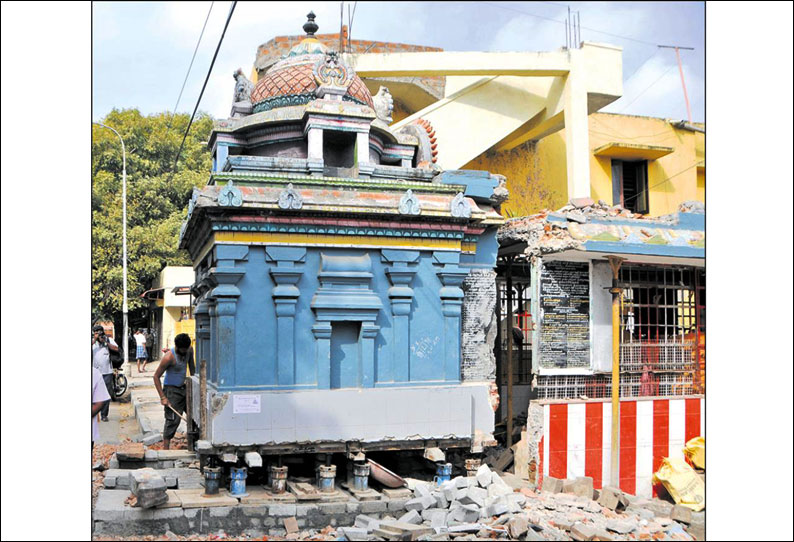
577 434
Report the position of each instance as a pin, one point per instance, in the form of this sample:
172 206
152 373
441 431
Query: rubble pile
485 506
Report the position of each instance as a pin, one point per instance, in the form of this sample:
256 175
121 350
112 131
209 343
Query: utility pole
681 71
123 234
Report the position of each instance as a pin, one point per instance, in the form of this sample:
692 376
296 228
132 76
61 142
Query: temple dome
294 79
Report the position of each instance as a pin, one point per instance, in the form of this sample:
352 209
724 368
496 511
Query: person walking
101 345
140 350
172 392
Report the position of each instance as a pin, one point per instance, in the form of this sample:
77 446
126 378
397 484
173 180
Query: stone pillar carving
401 295
226 275
451 277
286 275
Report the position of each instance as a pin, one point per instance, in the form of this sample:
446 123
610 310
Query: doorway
345 354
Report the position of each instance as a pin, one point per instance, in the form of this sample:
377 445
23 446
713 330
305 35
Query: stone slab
195 498
263 493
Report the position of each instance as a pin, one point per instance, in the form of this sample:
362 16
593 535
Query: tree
157 200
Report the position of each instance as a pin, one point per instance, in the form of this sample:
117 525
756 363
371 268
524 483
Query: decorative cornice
230 196
253 179
409 205
460 206
335 230
290 199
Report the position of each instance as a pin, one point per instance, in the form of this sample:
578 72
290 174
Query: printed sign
565 315
247 404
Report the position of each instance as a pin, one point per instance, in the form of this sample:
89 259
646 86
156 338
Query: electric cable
173 114
637 97
206 80
662 181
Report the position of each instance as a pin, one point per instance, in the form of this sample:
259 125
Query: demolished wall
478 362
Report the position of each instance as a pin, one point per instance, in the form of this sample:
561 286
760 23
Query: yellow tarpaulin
695 451
682 482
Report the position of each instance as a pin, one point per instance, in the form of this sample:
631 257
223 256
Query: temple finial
310 27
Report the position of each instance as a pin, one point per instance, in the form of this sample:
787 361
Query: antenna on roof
341 24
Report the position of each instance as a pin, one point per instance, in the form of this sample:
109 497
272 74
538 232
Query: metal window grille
522 324
662 325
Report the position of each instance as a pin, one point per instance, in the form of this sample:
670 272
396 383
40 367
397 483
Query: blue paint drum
237 483
325 478
361 476
443 473
212 479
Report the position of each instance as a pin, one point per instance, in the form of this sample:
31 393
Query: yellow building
658 163
171 307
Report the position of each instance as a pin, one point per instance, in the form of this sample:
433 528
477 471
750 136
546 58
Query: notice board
565 315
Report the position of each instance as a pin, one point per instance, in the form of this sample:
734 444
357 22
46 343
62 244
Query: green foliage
156 200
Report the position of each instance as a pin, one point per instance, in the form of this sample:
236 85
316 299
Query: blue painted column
226 275
322 339
212 358
286 275
368 333
202 315
451 294
401 296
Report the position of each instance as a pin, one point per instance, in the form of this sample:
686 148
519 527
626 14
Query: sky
142 50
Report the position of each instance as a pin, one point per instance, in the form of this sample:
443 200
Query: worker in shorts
172 393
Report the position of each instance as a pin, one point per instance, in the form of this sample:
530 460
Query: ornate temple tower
331 258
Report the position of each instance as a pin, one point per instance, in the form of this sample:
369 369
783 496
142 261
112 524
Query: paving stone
484 476
496 509
461 482
372 507
466 528
131 452
681 514
499 490
367 523
580 531
441 499
435 516
613 499
517 526
473 495
411 516
620 527
415 504
353 533
581 486
291 525
397 505
642 513
603 534
552 485
152 438
173 500
422 490
534 536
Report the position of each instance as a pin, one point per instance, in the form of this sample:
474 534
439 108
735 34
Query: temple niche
331 258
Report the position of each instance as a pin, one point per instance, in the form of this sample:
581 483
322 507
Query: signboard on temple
565 315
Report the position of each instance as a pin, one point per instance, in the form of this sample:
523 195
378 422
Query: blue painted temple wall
429 354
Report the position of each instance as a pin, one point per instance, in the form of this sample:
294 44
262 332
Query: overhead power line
563 22
646 89
204 86
173 114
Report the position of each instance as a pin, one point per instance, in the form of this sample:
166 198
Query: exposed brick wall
478 325
271 51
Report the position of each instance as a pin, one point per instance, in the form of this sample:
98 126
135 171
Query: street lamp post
124 234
